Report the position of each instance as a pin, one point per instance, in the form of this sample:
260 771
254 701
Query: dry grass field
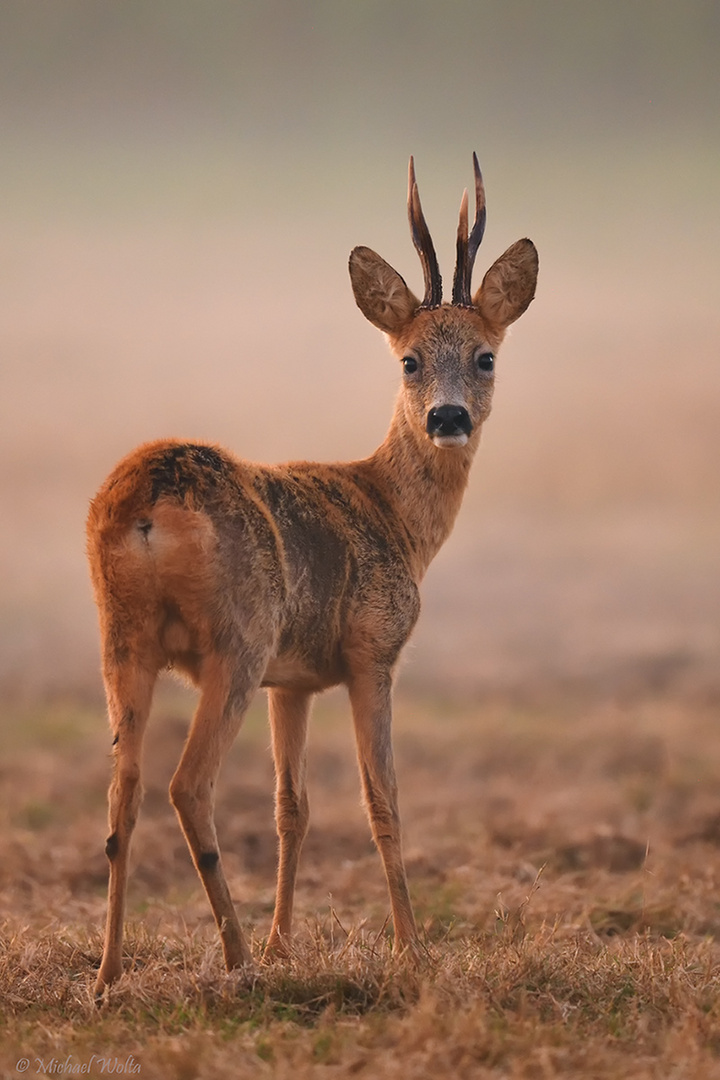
563 858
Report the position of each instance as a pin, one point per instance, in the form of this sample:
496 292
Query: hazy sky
314 73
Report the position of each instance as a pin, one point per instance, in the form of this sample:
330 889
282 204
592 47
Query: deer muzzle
449 425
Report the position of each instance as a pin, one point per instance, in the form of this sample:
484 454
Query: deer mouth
446 442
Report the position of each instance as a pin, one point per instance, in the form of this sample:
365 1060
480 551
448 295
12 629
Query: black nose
449 420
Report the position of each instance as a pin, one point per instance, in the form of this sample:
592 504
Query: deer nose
449 420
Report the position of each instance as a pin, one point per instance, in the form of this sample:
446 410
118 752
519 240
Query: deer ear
380 292
509 285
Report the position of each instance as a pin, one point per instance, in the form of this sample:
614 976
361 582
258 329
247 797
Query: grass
499 1001
570 922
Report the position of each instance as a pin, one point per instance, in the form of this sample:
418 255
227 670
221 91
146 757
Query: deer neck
425 483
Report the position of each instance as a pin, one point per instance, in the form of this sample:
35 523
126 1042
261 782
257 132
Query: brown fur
295 577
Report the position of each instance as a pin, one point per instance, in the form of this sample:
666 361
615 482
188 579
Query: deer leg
129 690
216 722
370 697
289 712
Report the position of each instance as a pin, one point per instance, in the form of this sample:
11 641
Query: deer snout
449 425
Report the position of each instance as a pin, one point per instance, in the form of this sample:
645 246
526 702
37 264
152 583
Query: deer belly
294 672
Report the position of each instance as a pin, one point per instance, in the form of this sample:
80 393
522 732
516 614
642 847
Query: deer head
447 350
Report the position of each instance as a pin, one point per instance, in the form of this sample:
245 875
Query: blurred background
181 185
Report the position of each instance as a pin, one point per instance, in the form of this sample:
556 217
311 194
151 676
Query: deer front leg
289 712
370 697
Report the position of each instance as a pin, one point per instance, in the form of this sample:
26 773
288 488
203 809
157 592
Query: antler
467 246
423 244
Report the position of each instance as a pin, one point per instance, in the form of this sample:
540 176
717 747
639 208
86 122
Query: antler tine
467 246
478 228
461 289
423 244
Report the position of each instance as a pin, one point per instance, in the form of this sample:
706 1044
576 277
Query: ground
562 851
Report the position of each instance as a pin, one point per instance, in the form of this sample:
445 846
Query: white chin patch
446 441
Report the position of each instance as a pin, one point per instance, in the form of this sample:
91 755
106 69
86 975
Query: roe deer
295 577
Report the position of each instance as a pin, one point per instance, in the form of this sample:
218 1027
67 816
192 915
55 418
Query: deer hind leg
224 699
129 687
370 698
289 711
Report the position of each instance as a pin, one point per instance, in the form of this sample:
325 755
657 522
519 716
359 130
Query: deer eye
486 361
409 364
